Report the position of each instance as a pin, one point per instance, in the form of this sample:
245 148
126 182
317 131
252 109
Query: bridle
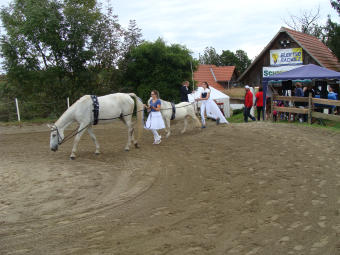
60 139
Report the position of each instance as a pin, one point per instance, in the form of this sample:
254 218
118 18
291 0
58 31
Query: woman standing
155 119
259 104
210 106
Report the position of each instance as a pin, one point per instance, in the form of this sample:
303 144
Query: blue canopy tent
307 72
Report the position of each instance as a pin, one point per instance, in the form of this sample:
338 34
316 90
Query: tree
306 22
243 61
336 5
210 57
158 66
228 58
239 59
58 48
132 38
333 31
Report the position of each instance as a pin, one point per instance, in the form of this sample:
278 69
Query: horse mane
72 107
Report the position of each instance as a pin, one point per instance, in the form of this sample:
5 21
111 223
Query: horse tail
139 113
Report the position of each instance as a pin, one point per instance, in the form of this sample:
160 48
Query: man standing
259 104
185 91
299 93
248 104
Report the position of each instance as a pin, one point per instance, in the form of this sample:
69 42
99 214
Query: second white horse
184 111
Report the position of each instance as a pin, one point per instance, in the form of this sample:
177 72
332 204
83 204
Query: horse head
56 137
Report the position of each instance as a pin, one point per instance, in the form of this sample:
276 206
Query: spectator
248 104
299 93
333 96
259 104
185 91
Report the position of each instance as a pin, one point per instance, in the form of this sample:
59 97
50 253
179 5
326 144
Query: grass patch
333 125
237 117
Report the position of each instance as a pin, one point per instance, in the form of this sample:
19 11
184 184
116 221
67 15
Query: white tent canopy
215 95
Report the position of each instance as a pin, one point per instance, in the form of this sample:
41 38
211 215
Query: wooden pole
272 106
18 111
310 107
192 77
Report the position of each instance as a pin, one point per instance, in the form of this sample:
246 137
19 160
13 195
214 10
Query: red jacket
248 100
259 99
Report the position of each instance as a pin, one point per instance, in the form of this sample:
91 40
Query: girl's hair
206 83
260 89
156 93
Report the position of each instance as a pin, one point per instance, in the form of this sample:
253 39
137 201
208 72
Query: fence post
272 107
310 108
17 106
68 102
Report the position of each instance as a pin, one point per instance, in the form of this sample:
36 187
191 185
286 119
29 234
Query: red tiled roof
212 74
317 49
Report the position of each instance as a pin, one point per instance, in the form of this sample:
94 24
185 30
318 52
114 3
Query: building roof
214 74
312 45
317 49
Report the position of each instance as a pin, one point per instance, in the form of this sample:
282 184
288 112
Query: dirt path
223 190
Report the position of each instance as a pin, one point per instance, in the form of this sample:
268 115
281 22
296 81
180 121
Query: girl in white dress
155 120
210 106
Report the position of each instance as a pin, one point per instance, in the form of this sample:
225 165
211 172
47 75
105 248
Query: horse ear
49 126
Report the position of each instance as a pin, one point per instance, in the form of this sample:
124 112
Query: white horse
111 106
184 111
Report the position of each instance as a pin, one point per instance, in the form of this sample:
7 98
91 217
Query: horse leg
196 120
94 139
128 122
135 142
185 125
167 123
81 131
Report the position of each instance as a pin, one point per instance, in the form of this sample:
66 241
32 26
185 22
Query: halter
60 139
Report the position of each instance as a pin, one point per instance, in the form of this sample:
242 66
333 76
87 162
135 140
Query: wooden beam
294 99
326 101
291 109
310 108
320 115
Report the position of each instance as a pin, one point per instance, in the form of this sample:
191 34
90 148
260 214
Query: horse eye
54 135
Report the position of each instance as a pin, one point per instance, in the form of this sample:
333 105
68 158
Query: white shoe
157 142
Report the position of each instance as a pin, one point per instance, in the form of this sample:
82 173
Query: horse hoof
137 146
127 149
72 157
97 153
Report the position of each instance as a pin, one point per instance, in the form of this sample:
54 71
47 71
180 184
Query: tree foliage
53 49
155 65
239 59
332 33
210 57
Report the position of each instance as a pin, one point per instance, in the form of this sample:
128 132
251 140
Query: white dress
211 107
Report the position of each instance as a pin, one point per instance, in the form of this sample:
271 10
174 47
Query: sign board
272 70
291 56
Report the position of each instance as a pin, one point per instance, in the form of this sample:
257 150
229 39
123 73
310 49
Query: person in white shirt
210 106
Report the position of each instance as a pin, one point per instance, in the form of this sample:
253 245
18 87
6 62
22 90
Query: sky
223 24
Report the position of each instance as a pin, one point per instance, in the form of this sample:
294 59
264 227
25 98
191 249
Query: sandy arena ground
241 189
